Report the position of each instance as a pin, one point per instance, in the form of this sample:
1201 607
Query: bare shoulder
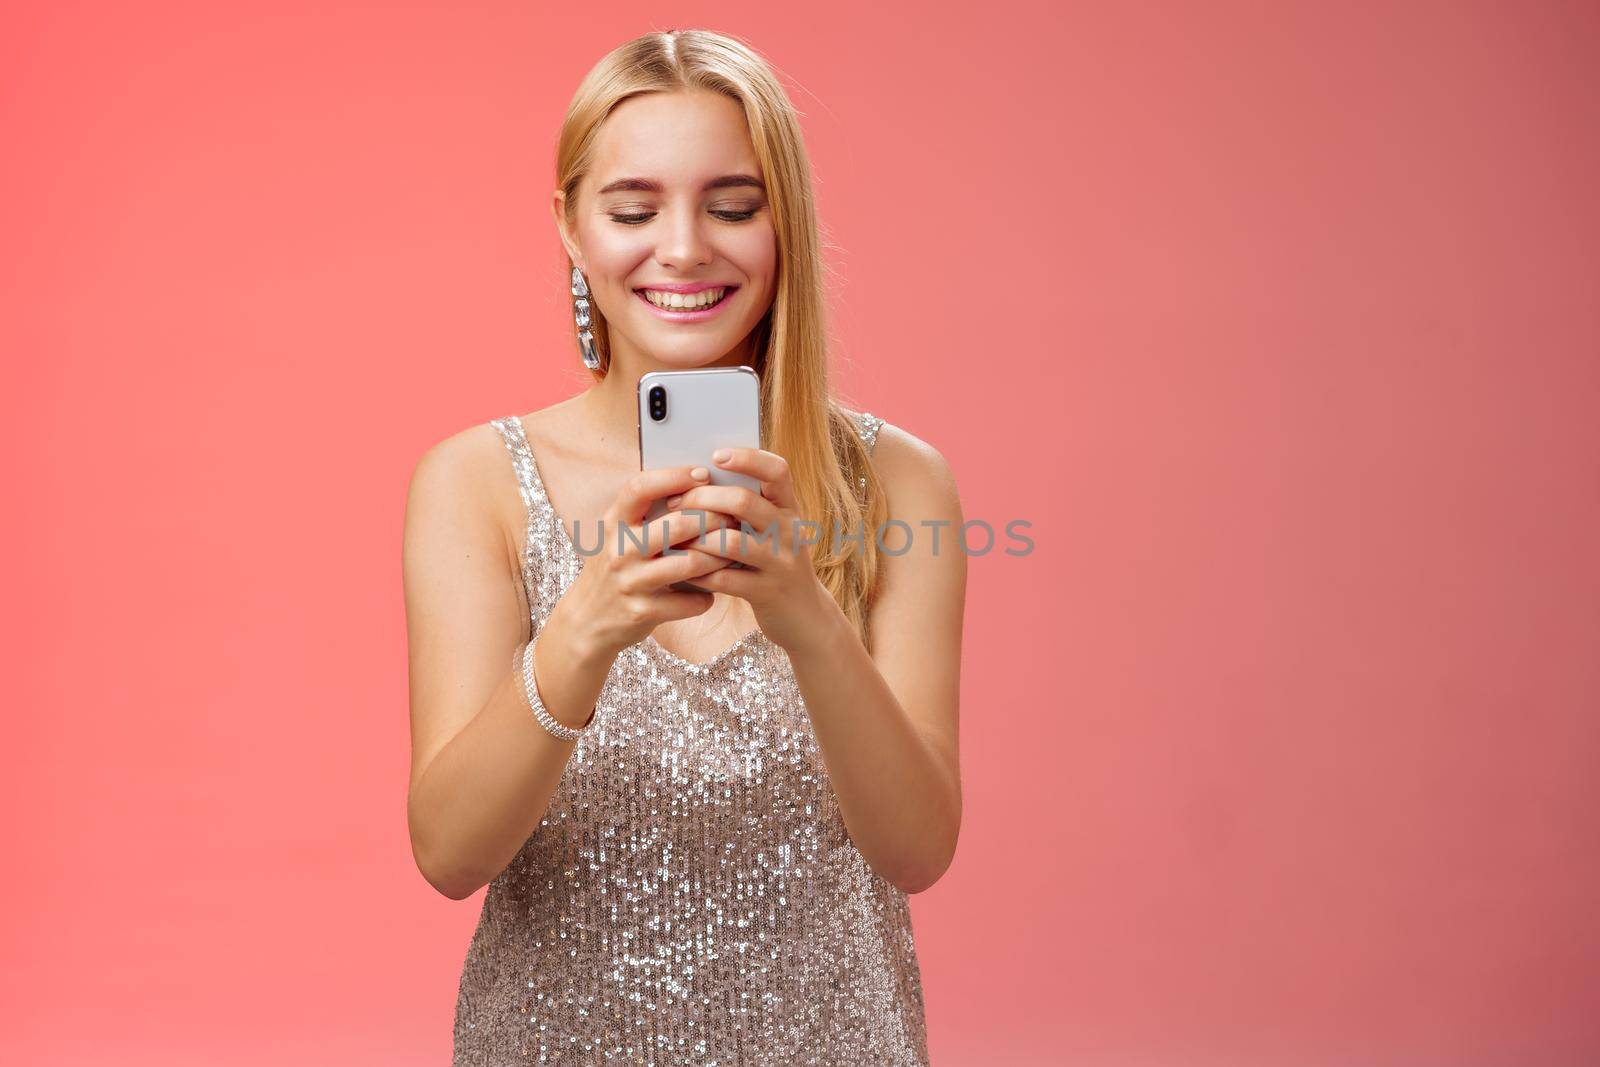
916 476
466 478
461 465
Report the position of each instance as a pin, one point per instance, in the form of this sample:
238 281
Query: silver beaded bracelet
530 689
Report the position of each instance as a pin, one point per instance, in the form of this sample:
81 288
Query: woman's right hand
618 598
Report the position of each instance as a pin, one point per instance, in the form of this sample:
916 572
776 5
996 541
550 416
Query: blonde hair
800 418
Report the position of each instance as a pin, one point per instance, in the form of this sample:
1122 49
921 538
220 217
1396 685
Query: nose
683 244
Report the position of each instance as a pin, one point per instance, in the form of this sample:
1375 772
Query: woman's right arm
482 768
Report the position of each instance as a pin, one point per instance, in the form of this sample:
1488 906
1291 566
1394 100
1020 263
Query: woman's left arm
886 721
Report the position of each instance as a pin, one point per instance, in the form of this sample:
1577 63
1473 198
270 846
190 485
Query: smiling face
673 231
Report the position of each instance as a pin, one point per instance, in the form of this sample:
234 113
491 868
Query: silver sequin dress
691 895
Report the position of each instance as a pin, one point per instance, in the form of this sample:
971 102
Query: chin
686 355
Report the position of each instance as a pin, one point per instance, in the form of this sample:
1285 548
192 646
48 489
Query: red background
1279 323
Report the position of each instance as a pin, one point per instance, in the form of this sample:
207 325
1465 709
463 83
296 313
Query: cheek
755 250
613 251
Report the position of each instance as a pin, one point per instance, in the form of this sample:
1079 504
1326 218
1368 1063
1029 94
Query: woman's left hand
791 605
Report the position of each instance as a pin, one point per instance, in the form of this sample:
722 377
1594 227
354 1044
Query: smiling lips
686 303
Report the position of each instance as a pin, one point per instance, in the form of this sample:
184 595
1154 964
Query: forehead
675 138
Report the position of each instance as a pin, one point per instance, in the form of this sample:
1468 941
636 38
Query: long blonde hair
800 419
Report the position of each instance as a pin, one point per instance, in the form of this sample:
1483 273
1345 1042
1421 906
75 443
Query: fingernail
699 472
674 501
721 455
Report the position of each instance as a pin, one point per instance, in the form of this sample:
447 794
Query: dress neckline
541 498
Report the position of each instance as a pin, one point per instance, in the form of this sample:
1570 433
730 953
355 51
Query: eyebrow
646 185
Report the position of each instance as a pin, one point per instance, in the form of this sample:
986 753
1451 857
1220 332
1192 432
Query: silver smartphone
685 415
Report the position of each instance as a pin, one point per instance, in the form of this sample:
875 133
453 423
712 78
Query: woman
698 813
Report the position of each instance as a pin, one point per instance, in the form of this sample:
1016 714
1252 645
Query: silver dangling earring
580 312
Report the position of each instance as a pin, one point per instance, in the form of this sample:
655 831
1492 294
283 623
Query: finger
650 538
713 518
739 583
734 544
768 468
643 489
674 528
664 570
737 501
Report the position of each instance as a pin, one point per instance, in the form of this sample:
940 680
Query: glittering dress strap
516 441
869 426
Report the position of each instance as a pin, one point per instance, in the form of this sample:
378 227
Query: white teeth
684 301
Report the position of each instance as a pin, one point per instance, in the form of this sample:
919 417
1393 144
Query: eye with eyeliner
725 216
